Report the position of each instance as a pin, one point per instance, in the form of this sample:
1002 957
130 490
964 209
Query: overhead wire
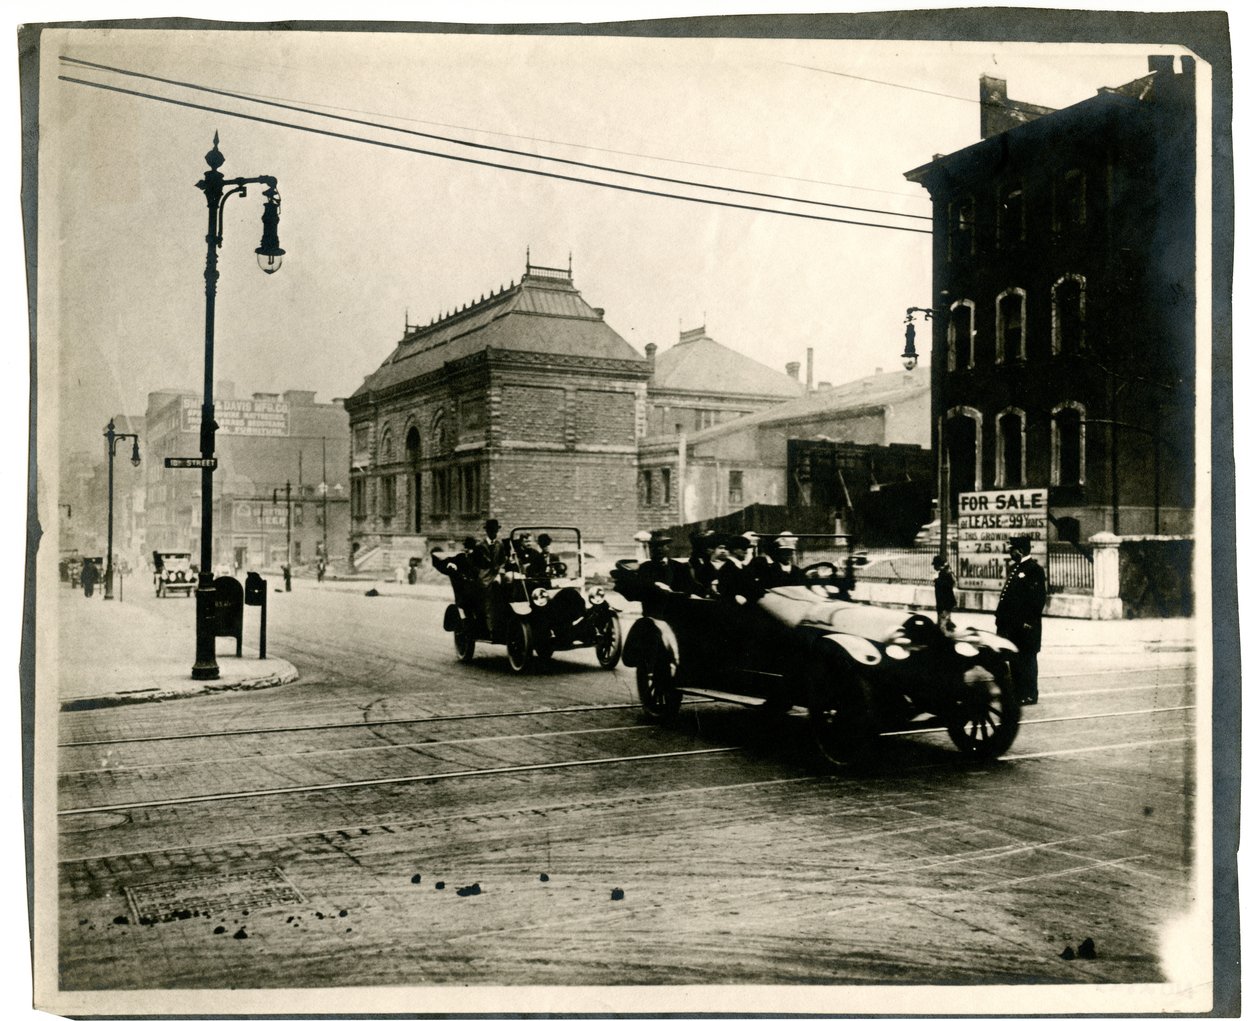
486 147
398 147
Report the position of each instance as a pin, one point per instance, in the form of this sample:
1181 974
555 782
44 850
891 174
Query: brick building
264 444
1064 262
524 405
721 469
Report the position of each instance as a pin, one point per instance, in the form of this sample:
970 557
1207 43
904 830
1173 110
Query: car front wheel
984 722
608 642
658 695
520 644
842 718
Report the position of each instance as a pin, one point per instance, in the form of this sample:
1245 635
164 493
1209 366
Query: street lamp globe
270 254
909 357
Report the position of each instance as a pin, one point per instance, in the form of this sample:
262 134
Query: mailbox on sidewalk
229 609
256 595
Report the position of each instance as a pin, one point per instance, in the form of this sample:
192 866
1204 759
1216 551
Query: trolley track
593 762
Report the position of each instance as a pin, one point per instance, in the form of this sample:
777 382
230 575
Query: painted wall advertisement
239 418
986 522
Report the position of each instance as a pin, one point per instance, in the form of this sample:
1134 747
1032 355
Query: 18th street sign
986 522
192 462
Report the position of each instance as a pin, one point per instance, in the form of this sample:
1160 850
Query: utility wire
891 85
484 146
483 163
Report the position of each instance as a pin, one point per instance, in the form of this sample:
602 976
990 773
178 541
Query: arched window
962 446
1071 209
1010 447
412 443
1067 310
962 352
438 432
1011 324
387 447
1067 444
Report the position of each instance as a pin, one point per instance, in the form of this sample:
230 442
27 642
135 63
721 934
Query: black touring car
859 670
537 602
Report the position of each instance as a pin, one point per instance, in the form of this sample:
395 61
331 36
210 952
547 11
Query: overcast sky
377 236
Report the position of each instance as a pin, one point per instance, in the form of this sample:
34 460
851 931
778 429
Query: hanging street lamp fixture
218 190
112 439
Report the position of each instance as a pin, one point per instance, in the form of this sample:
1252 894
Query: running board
725 696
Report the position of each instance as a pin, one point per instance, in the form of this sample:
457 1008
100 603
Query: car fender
522 608
451 619
646 636
860 650
988 640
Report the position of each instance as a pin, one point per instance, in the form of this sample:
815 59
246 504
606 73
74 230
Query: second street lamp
112 439
218 190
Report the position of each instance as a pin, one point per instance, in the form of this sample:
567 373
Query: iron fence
1067 569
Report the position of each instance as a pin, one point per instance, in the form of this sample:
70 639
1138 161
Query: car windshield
561 545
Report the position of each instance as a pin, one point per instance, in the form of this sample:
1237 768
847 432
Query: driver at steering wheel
781 569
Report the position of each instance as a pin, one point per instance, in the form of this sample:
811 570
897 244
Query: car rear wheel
985 721
520 644
608 642
658 695
465 642
842 718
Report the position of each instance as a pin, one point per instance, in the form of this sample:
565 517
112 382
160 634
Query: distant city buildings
281 491
1064 330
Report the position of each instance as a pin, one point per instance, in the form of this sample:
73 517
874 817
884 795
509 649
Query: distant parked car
173 572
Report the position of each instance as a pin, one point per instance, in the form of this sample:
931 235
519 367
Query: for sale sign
987 522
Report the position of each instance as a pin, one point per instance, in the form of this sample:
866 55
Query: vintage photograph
714 515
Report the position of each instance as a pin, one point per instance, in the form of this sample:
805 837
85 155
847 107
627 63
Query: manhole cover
215 893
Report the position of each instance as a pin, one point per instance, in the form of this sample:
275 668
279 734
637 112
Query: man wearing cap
1018 614
717 552
659 573
734 578
780 569
946 600
488 559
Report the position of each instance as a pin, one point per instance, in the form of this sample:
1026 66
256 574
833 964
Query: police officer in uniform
1018 615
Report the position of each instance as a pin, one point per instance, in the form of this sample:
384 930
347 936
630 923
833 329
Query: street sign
192 462
986 522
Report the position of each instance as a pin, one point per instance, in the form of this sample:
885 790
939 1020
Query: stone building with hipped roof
524 405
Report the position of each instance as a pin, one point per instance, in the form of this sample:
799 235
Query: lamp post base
206 667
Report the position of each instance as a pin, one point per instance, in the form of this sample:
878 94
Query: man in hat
735 581
781 568
488 559
945 598
1018 614
659 572
717 551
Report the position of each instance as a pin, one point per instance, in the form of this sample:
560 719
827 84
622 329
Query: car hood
797 606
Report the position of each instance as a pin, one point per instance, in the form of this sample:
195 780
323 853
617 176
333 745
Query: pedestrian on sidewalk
1018 615
88 576
946 600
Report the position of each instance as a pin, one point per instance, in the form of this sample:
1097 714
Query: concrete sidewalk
137 650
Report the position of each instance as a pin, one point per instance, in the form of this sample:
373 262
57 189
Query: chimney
793 370
809 369
650 351
823 385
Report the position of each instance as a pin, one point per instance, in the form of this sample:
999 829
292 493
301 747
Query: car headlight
896 652
538 597
966 649
597 596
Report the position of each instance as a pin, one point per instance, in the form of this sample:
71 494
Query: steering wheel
557 569
823 579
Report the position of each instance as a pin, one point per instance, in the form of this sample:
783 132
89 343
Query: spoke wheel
608 642
520 643
985 721
842 717
465 643
657 693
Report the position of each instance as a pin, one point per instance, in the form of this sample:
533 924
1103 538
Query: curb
285 674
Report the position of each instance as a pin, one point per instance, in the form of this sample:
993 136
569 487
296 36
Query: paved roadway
399 818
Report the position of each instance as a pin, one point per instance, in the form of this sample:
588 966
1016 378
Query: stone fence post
1106 603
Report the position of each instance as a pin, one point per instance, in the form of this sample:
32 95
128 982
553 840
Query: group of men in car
481 563
733 568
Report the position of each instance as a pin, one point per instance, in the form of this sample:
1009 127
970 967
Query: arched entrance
413 459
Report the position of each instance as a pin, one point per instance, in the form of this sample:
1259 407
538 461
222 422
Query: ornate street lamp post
112 439
218 190
910 359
